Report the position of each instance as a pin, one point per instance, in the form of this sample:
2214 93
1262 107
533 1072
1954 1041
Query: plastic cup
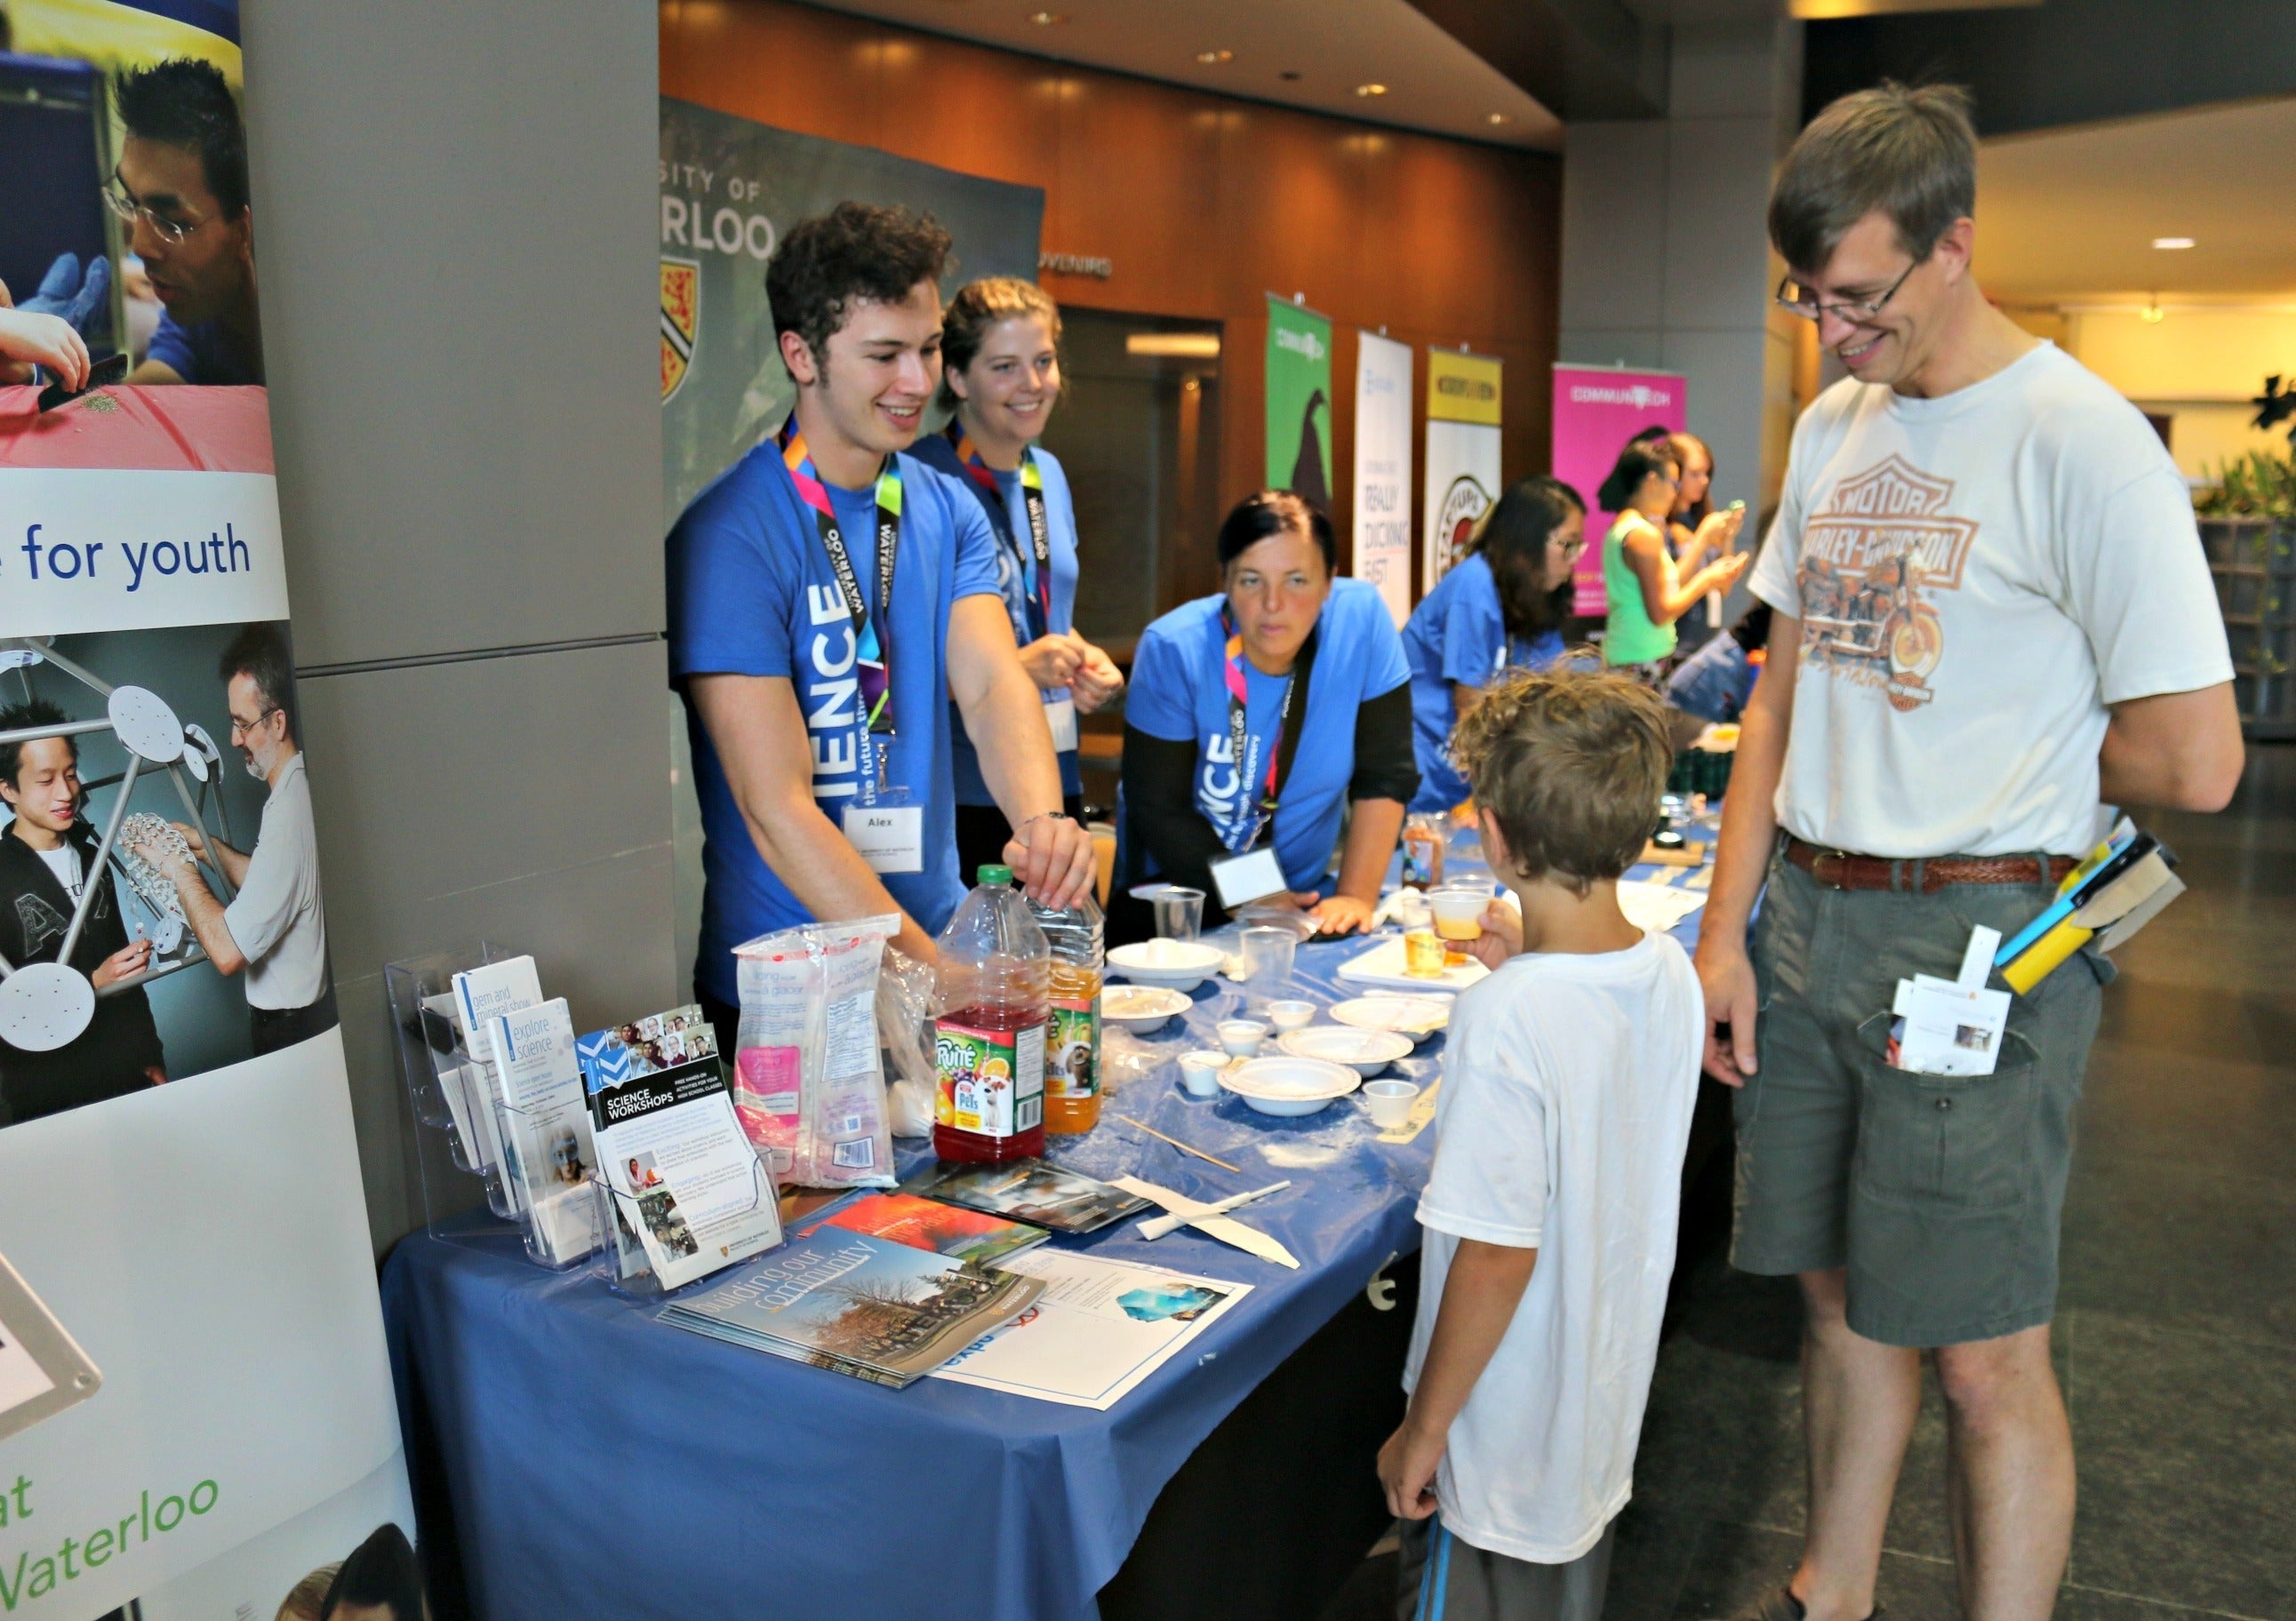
1422 954
1458 913
1289 1016
1241 1037
1390 1103
1267 955
1179 912
1200 1073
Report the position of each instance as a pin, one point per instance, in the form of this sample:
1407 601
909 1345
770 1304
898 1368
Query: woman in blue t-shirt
1001 375
1502 607
1289 688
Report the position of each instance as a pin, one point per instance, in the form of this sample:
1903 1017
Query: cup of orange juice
1458 916
1422 954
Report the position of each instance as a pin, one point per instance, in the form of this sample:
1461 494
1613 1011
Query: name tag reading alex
1059 713
1254 875
890 838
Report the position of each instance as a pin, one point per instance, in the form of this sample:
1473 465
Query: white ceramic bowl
1365 1051
1417 1017
1141 1008
1178 965
1241 1037
1289 1087
1291 1015
1199 1072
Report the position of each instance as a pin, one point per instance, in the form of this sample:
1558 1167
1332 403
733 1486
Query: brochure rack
465 1131
621 1262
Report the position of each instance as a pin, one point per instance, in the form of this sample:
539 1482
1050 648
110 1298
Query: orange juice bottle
1072 1048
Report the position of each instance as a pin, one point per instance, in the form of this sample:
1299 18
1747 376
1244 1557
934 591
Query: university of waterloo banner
196 1417
1299 396
1463 453
1597 409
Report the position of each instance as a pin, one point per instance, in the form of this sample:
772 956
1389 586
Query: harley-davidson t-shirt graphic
1978 576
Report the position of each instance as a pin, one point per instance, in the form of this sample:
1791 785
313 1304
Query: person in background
1263 714
1502 607
304 1599
1693 528
1714 682
274 930
381 1581
1647 592
47 865
1001 376
180 189
1550 1211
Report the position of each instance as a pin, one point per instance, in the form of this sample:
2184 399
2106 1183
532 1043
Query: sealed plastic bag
904 989
807 1083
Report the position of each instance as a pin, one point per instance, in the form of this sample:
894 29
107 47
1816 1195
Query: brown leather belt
1842 870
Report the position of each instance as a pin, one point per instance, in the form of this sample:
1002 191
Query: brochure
546 1143
928 1224
682 1177
1100 1327
478 995
858 1305
646 1046
1029 1191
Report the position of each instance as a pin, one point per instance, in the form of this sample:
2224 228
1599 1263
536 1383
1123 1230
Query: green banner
1299 401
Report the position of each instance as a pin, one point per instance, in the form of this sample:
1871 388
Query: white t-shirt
1568 1084
275 921
1977 576
64 861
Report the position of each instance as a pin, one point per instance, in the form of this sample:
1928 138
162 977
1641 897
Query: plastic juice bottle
1422 850
1072 1054
991 1009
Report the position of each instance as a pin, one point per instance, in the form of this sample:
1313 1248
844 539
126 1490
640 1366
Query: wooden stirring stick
1176 1143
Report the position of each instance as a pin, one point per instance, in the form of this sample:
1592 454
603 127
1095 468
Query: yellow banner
1462 387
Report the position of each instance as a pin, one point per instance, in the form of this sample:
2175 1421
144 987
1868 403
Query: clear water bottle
991 1011
1077 937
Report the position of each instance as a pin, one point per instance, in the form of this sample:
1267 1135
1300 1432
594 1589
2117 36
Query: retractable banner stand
196 1417
1597 409
1299 401
1463 453
1383 506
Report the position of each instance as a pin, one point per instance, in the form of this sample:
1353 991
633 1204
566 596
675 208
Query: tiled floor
2176 1328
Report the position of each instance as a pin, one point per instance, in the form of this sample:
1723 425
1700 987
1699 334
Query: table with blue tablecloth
576 1457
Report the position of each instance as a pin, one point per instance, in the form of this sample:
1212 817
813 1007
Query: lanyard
873 661
1040 533
1287 737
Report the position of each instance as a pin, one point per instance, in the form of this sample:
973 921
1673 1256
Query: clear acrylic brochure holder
622 1263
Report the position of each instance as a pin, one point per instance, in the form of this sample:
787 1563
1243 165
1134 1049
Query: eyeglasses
1793 296
124 206
247 728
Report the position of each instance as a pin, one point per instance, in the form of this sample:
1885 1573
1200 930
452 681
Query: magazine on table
928 1224
546 1144
1029 1191
685 1181
857 1305
1099 1328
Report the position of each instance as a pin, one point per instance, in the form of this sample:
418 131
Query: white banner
1463 479
1382 506
106 549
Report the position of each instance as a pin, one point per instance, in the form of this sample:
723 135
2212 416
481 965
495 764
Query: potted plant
2248 527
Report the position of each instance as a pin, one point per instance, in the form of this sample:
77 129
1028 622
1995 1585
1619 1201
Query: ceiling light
2171 244
2152 315
1209 57
1176 346
1045 19
1289 74
1371 89
1494 118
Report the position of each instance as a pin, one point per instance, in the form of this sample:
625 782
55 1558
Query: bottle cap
993 873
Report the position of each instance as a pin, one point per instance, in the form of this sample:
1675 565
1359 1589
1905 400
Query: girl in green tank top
1646 592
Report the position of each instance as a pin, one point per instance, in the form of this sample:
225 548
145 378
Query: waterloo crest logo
1882 541
1455 518
680 322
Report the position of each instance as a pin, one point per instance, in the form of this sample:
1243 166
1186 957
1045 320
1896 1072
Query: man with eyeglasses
273 929
180 189
1992 621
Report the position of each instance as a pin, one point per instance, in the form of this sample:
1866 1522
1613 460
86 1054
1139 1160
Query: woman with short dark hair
1257 719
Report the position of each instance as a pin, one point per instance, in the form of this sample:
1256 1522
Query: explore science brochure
547 1150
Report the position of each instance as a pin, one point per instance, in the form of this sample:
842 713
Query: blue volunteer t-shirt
1180 693
1016 583
205 352
752 592
1457 634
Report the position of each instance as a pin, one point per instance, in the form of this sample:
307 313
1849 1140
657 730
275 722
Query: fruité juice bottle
991 1008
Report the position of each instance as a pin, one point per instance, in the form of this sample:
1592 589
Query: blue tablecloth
601 1463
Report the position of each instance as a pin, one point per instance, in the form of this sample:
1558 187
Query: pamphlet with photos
858 1305
646 1046
546 1143
928 1224
683 1180
1030 1190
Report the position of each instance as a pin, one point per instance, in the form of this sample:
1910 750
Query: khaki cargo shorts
1941 1196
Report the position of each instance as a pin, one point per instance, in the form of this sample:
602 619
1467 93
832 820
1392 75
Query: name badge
1059 713
890 838
1252 876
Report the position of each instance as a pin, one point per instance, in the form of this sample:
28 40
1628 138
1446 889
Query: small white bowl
1241 1037
1365 1051
1390 1103
1141 1008
1180 965
1287 1016
1200 1073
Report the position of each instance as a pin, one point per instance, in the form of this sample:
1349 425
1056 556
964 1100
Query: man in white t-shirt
1992 618
1549 1216
273 930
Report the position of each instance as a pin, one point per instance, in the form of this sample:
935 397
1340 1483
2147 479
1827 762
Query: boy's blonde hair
1571 764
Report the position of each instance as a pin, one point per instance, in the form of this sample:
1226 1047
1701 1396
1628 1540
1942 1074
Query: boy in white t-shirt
1569 1077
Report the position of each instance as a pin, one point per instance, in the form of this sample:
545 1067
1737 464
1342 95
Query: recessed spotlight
1494 118
1209 58
1371 89
1289 74
1045 19
2171 244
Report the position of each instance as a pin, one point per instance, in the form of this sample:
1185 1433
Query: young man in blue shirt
819 721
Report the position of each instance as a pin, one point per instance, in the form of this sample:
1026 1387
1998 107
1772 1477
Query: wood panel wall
1203 203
